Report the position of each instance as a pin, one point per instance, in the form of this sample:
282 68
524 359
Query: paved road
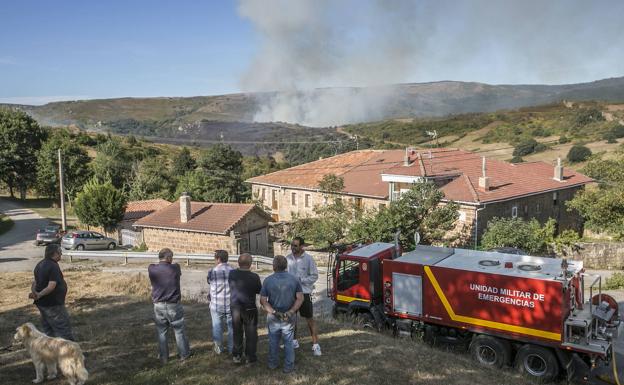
17 251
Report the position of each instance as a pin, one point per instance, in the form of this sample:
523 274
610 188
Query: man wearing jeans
49 290
302 266
168 311
244 285
281 296
220 301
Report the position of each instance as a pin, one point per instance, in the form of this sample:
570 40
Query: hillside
558 126
171 117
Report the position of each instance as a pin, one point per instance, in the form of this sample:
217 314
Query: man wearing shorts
302 266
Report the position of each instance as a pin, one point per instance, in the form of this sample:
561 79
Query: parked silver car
87 240
48 234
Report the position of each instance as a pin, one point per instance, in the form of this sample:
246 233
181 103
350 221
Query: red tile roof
139 209
362 171
214 218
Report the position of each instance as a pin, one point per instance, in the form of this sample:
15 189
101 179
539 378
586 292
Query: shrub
517 159
563 139
609 137
578 153
615 281
525 147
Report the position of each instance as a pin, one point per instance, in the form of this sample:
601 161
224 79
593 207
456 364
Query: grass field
111 315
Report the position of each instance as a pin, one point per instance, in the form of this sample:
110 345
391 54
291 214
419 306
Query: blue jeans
281 330
219 318
170 315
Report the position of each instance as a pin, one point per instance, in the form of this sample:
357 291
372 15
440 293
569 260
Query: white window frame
514 211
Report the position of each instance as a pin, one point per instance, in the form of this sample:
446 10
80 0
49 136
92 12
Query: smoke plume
360 48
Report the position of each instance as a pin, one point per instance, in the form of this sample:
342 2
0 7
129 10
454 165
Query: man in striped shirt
219 299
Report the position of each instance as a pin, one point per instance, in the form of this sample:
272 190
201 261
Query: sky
70 50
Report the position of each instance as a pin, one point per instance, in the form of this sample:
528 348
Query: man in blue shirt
168 311
281 296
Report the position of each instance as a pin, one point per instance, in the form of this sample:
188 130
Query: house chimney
185 207
406 157
558 171
484 181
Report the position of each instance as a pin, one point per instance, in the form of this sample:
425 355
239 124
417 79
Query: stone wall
188 242
600 255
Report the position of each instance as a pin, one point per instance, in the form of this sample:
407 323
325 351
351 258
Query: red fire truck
525 311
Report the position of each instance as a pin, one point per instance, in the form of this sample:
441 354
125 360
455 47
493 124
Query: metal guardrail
257 259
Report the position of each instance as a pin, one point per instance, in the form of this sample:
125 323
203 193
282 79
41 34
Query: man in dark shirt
244 285
49 290
168 311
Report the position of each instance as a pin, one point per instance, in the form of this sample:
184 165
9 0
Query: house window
358 203
274 199
514 212
538 208
462 216
307 200
382 206
555 198
526 210
263 194
293 199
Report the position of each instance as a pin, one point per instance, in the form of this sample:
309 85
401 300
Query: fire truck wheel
490 351
366 320
537 363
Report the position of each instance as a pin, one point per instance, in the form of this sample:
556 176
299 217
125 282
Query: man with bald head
244 286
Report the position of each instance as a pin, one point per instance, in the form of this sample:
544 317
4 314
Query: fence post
71 258
125 259
188 261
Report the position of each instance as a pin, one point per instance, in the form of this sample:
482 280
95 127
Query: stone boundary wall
600 255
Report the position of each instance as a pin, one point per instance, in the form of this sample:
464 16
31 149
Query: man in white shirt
302 266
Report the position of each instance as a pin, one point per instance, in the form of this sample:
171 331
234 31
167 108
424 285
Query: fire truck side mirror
416 238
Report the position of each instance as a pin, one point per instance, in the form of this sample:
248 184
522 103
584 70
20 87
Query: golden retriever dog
48 352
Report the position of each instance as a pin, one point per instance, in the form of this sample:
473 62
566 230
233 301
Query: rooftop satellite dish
416 238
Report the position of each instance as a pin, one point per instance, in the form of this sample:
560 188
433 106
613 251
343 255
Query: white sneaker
218 349
316 349
295 344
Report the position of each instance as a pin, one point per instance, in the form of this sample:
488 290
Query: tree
100 204
418 210
331 220
75 166
602 209
578 153
205 187
222 167
183 162
606 171
515 232
20 139
151 180
112 163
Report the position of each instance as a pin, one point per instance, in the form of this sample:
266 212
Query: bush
609 137
525 148
578 153
515 232
618 131
563 139
615 281
517 159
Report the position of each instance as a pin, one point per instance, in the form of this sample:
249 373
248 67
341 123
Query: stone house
484 189
202 228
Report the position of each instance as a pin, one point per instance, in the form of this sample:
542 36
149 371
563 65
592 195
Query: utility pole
62 188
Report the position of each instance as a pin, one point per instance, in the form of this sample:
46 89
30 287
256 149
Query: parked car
48 234
87 240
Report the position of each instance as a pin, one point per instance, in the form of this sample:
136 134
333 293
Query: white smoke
306 46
